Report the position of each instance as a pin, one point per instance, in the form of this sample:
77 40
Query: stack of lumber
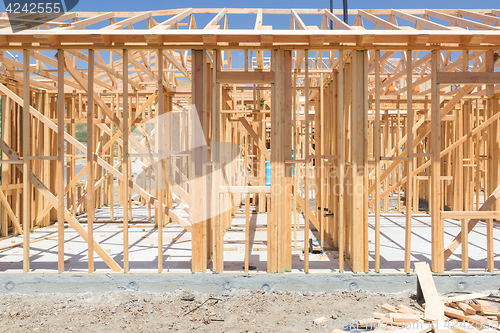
457 314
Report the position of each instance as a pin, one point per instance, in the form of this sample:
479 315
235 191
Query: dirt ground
183 311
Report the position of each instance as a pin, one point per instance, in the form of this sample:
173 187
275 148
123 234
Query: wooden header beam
64 33
468 78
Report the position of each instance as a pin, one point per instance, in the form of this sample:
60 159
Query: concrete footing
216 283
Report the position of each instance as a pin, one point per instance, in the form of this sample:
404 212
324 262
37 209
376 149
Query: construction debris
463 313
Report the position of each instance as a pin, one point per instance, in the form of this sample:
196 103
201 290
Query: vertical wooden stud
307 160
247 230
376 139
409 149
60 160
90 161
159 144
26 167
490 253
125 162
341 160
435 182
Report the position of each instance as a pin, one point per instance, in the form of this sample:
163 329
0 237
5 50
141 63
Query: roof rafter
383 23
93 20
129 21
216 19
460 21
338 22
298 20
167 24
418 20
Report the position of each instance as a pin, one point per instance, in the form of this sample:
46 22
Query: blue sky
280 21
134 5
277 21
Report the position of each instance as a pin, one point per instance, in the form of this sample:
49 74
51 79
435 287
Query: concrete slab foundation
143 240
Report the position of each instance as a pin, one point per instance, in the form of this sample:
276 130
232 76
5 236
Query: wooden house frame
399 101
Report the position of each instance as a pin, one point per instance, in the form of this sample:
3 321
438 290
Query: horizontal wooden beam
245 77
470 215
468 77
245 189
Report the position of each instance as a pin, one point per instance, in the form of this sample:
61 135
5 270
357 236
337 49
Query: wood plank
482 215
455 20
89 21
6 169
365 181
404 309
377 20
60 160
434 305
159 146
129 21
234 77
418 20
90 162
377 154
466 297
389 308
125 161
357 223
481 17
298 20
459 314
216 19
490 252
26 164
287 136
466 308
168 23
247 231
409 168
468 77
483 306
465 245
340 129
338 22
307 212
245 189
437 237
405 318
